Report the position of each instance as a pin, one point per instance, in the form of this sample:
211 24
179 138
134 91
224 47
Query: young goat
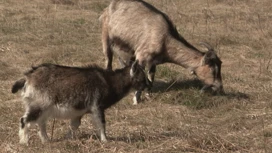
70 92
134 29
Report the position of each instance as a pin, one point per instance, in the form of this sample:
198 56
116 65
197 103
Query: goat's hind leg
42 133
74 124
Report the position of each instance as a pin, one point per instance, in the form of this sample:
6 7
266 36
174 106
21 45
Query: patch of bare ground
177 118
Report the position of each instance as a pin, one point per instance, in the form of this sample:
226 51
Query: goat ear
133 69
209 55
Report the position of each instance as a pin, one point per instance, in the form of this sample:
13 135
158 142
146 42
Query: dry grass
177 118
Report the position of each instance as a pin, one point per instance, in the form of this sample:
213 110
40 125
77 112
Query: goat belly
67 112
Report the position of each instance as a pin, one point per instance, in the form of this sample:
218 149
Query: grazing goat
56 91
134 29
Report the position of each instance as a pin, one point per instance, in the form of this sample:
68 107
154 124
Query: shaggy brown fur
70 92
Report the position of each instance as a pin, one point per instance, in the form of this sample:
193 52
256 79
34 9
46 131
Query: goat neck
182 53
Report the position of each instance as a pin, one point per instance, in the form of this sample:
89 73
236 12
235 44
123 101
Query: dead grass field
177 118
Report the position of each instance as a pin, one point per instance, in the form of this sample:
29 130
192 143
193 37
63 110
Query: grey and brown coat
57 91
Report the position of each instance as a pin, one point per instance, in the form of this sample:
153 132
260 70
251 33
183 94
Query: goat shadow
132 138
91 136
79 136
137 137
175 85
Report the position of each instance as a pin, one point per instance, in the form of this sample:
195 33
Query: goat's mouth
214 89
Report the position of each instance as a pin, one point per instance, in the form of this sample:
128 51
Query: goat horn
207 45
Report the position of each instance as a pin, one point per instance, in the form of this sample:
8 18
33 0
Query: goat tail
18 85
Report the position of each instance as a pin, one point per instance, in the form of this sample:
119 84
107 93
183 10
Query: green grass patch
166 72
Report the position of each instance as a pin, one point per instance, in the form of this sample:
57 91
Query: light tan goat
134 29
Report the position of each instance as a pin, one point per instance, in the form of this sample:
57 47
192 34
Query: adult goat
134 29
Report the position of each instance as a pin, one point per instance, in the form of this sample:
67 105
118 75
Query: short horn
134 68
207 45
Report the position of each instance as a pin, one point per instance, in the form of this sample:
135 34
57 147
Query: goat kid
134 29
64 92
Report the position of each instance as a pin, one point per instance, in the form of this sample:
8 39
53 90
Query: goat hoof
104 140
202 91
45 141
22 142
135 101
148 96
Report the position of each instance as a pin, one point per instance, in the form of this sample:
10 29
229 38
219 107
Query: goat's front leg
137 97
74 124
109 56
204 88
121 62
99 122
151 75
